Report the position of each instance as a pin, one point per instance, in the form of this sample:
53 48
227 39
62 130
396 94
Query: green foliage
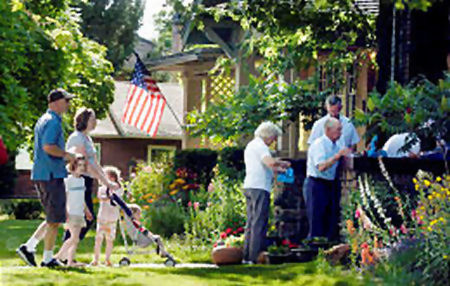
42 48
222 209
232 117
422 108
21 208
165 219
201 161
231 163
113 24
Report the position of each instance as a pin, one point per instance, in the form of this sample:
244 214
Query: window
98 149
157 153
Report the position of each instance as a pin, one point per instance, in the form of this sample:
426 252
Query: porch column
192 88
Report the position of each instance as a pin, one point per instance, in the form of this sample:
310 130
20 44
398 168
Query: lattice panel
222 85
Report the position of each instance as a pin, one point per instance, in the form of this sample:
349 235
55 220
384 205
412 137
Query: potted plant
228 249
281 253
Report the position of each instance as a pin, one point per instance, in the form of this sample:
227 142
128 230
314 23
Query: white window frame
158 147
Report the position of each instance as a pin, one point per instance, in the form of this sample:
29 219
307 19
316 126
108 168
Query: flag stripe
141 109
147 115
159 118
152 113
131 92
153 124
134 104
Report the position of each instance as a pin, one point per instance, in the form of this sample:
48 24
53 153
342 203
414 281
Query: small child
149 237
76 210
107 218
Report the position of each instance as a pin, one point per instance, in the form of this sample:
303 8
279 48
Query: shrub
200 161
165 219
22 208
231 163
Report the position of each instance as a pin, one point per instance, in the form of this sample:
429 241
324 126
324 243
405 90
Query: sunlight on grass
15 232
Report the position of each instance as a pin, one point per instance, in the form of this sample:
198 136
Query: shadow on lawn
243 274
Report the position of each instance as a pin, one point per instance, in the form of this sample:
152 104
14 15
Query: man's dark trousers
258 204
323 207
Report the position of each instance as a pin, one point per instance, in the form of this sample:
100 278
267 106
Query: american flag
145 104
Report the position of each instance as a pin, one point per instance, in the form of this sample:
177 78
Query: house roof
178 60
169 128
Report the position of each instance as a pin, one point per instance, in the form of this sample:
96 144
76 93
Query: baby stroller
140 236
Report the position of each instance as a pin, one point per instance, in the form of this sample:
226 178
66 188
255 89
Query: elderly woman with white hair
260 167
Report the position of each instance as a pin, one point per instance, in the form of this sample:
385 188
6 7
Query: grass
15 232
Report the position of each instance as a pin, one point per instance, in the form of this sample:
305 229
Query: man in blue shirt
321 188
48 173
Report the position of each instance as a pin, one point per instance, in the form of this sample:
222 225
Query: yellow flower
430 197
179 181
146 207
173 192
445 256
433 222
438 179
414 180
417 187
427 183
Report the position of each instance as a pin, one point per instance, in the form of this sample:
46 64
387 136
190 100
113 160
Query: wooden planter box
227 255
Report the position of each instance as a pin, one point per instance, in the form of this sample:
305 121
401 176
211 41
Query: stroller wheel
125 261
169 262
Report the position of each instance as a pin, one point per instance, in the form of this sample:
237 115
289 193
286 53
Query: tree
41 48
114 24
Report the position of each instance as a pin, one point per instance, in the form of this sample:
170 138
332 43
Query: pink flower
403 229
392 231
223 235
196 205
413 214
365 245
189 204
210 188
208 204
357 213
240 229
228 230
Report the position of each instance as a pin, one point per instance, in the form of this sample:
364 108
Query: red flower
215 244
223 235
365 245
403 229
240 229
285 242
228 230
357 213
408 110
293 245
392 231
234 232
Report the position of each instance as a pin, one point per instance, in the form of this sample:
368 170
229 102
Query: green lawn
15 232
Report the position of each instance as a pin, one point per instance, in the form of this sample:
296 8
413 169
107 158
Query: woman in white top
259 171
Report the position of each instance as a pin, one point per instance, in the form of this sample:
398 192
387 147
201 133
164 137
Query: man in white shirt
349 136
259 169
395 143
321 187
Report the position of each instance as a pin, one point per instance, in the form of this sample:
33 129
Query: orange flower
367 257
150 201
146 207
350 227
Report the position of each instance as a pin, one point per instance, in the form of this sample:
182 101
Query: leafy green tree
41 48
114 24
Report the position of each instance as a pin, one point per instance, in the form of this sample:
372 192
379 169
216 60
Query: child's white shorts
107 229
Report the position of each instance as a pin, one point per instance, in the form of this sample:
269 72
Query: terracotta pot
227 255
